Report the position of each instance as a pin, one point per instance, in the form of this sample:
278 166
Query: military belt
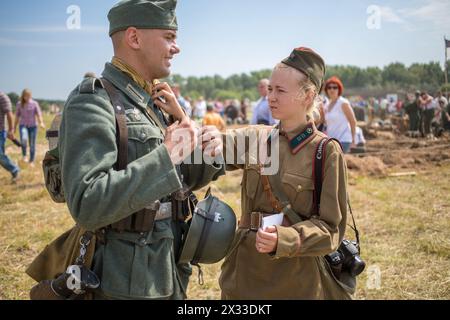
253 221
143 221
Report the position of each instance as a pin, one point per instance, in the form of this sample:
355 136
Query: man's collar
125 84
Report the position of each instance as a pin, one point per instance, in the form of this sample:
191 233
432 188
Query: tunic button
143 135
299 188
142 241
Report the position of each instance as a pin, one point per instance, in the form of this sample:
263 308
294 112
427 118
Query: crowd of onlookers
428 116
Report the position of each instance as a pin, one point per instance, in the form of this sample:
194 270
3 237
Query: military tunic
297 269
130 265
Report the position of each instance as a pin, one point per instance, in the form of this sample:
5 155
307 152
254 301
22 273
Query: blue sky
223 37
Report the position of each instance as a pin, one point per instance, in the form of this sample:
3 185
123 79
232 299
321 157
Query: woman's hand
42 124
211 139
171 105
267 240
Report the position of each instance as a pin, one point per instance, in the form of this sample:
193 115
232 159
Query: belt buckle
164 211
255 221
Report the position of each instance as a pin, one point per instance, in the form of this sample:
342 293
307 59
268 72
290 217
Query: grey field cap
143 14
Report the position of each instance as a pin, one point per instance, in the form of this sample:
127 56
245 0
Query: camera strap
318 166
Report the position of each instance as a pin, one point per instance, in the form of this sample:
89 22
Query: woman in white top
339 116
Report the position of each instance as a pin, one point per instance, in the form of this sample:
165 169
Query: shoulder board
88 85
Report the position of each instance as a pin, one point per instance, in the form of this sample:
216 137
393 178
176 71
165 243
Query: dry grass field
404 223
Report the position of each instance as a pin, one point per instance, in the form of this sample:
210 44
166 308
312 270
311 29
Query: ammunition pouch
52 176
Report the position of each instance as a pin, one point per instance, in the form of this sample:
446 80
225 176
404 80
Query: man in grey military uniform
137 257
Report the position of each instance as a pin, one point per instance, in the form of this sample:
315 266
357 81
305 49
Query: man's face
263 88
157 48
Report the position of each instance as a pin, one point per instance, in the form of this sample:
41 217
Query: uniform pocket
299 190
142 139
140 267
160 274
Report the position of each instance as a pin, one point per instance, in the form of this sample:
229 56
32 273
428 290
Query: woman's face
27 97
332 91
284 95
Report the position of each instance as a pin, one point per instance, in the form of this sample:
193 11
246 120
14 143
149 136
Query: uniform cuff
288 242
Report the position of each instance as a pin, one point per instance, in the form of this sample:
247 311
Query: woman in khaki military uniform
287 261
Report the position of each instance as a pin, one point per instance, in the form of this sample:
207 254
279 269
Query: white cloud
436 12
388 14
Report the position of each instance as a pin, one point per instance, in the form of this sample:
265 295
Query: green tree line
370 81
395 77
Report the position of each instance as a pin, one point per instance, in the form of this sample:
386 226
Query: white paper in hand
273 220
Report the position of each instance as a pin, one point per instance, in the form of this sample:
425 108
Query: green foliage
395 77
14 97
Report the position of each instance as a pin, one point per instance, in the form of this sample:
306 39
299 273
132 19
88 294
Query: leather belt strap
143 221
121 124
253 221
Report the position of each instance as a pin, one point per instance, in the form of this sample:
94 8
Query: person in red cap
339 116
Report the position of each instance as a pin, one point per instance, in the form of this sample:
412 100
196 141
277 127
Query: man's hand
267 240
211 139
168 102
181 140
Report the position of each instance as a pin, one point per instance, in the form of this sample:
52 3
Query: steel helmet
211 232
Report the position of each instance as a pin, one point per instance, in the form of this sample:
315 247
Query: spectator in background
232 112
339 116
6 112
440 96
245 104
440 116
212 118
413 112
445 115
199 109
220 109
360 141
183 103
262 113
427 105
383 107
27 112
392 106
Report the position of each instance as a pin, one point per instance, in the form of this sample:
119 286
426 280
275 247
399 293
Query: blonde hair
305 85
22 97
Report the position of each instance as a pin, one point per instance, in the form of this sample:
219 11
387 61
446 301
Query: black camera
346 259
75 281
71 285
